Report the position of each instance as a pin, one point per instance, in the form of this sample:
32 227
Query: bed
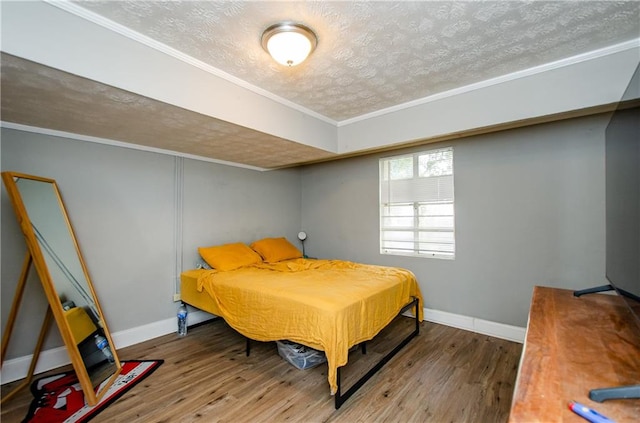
328 305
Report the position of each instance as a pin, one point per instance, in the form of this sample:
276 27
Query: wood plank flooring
443 375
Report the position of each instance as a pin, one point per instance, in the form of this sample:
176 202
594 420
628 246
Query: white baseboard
17 368
473 324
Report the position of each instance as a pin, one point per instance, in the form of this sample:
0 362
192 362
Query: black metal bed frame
339 397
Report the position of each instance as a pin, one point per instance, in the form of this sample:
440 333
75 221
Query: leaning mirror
53 249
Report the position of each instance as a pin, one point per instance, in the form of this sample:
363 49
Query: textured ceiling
39 96
374 55
370 56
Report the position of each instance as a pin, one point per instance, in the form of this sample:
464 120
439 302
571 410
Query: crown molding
595 54
83 13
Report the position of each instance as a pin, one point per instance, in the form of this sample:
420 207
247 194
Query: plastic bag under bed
300 356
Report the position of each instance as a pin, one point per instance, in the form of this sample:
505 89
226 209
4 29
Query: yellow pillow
229 256
80 323
276 249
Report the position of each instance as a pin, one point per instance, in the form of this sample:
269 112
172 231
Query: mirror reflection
59 249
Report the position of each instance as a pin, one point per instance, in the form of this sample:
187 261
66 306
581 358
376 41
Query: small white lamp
302 236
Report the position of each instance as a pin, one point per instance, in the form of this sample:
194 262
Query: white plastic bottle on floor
103 345
182 320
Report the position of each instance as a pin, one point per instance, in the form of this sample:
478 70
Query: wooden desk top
574 345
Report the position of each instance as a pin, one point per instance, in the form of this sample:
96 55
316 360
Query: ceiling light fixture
289 43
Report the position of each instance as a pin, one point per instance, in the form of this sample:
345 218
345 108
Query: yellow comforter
328 305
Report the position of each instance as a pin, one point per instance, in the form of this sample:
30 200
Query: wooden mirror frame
93 391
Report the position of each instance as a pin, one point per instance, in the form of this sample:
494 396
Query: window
416 204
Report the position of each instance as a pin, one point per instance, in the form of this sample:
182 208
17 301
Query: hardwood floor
443 375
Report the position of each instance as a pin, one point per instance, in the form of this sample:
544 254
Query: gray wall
139 218
529 211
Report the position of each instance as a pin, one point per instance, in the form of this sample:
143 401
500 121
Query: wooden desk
574 345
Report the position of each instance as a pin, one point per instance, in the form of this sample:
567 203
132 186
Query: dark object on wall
622 165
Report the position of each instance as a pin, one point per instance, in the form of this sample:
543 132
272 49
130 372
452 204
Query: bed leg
248 346
363 347
338 398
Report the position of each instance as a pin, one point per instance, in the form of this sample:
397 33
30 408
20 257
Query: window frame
415 229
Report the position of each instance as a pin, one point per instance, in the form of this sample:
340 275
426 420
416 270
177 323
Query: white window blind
417 204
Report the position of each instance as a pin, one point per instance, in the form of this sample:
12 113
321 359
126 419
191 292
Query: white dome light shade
289 48
289 43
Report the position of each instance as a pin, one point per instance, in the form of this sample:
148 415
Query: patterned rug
59 398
